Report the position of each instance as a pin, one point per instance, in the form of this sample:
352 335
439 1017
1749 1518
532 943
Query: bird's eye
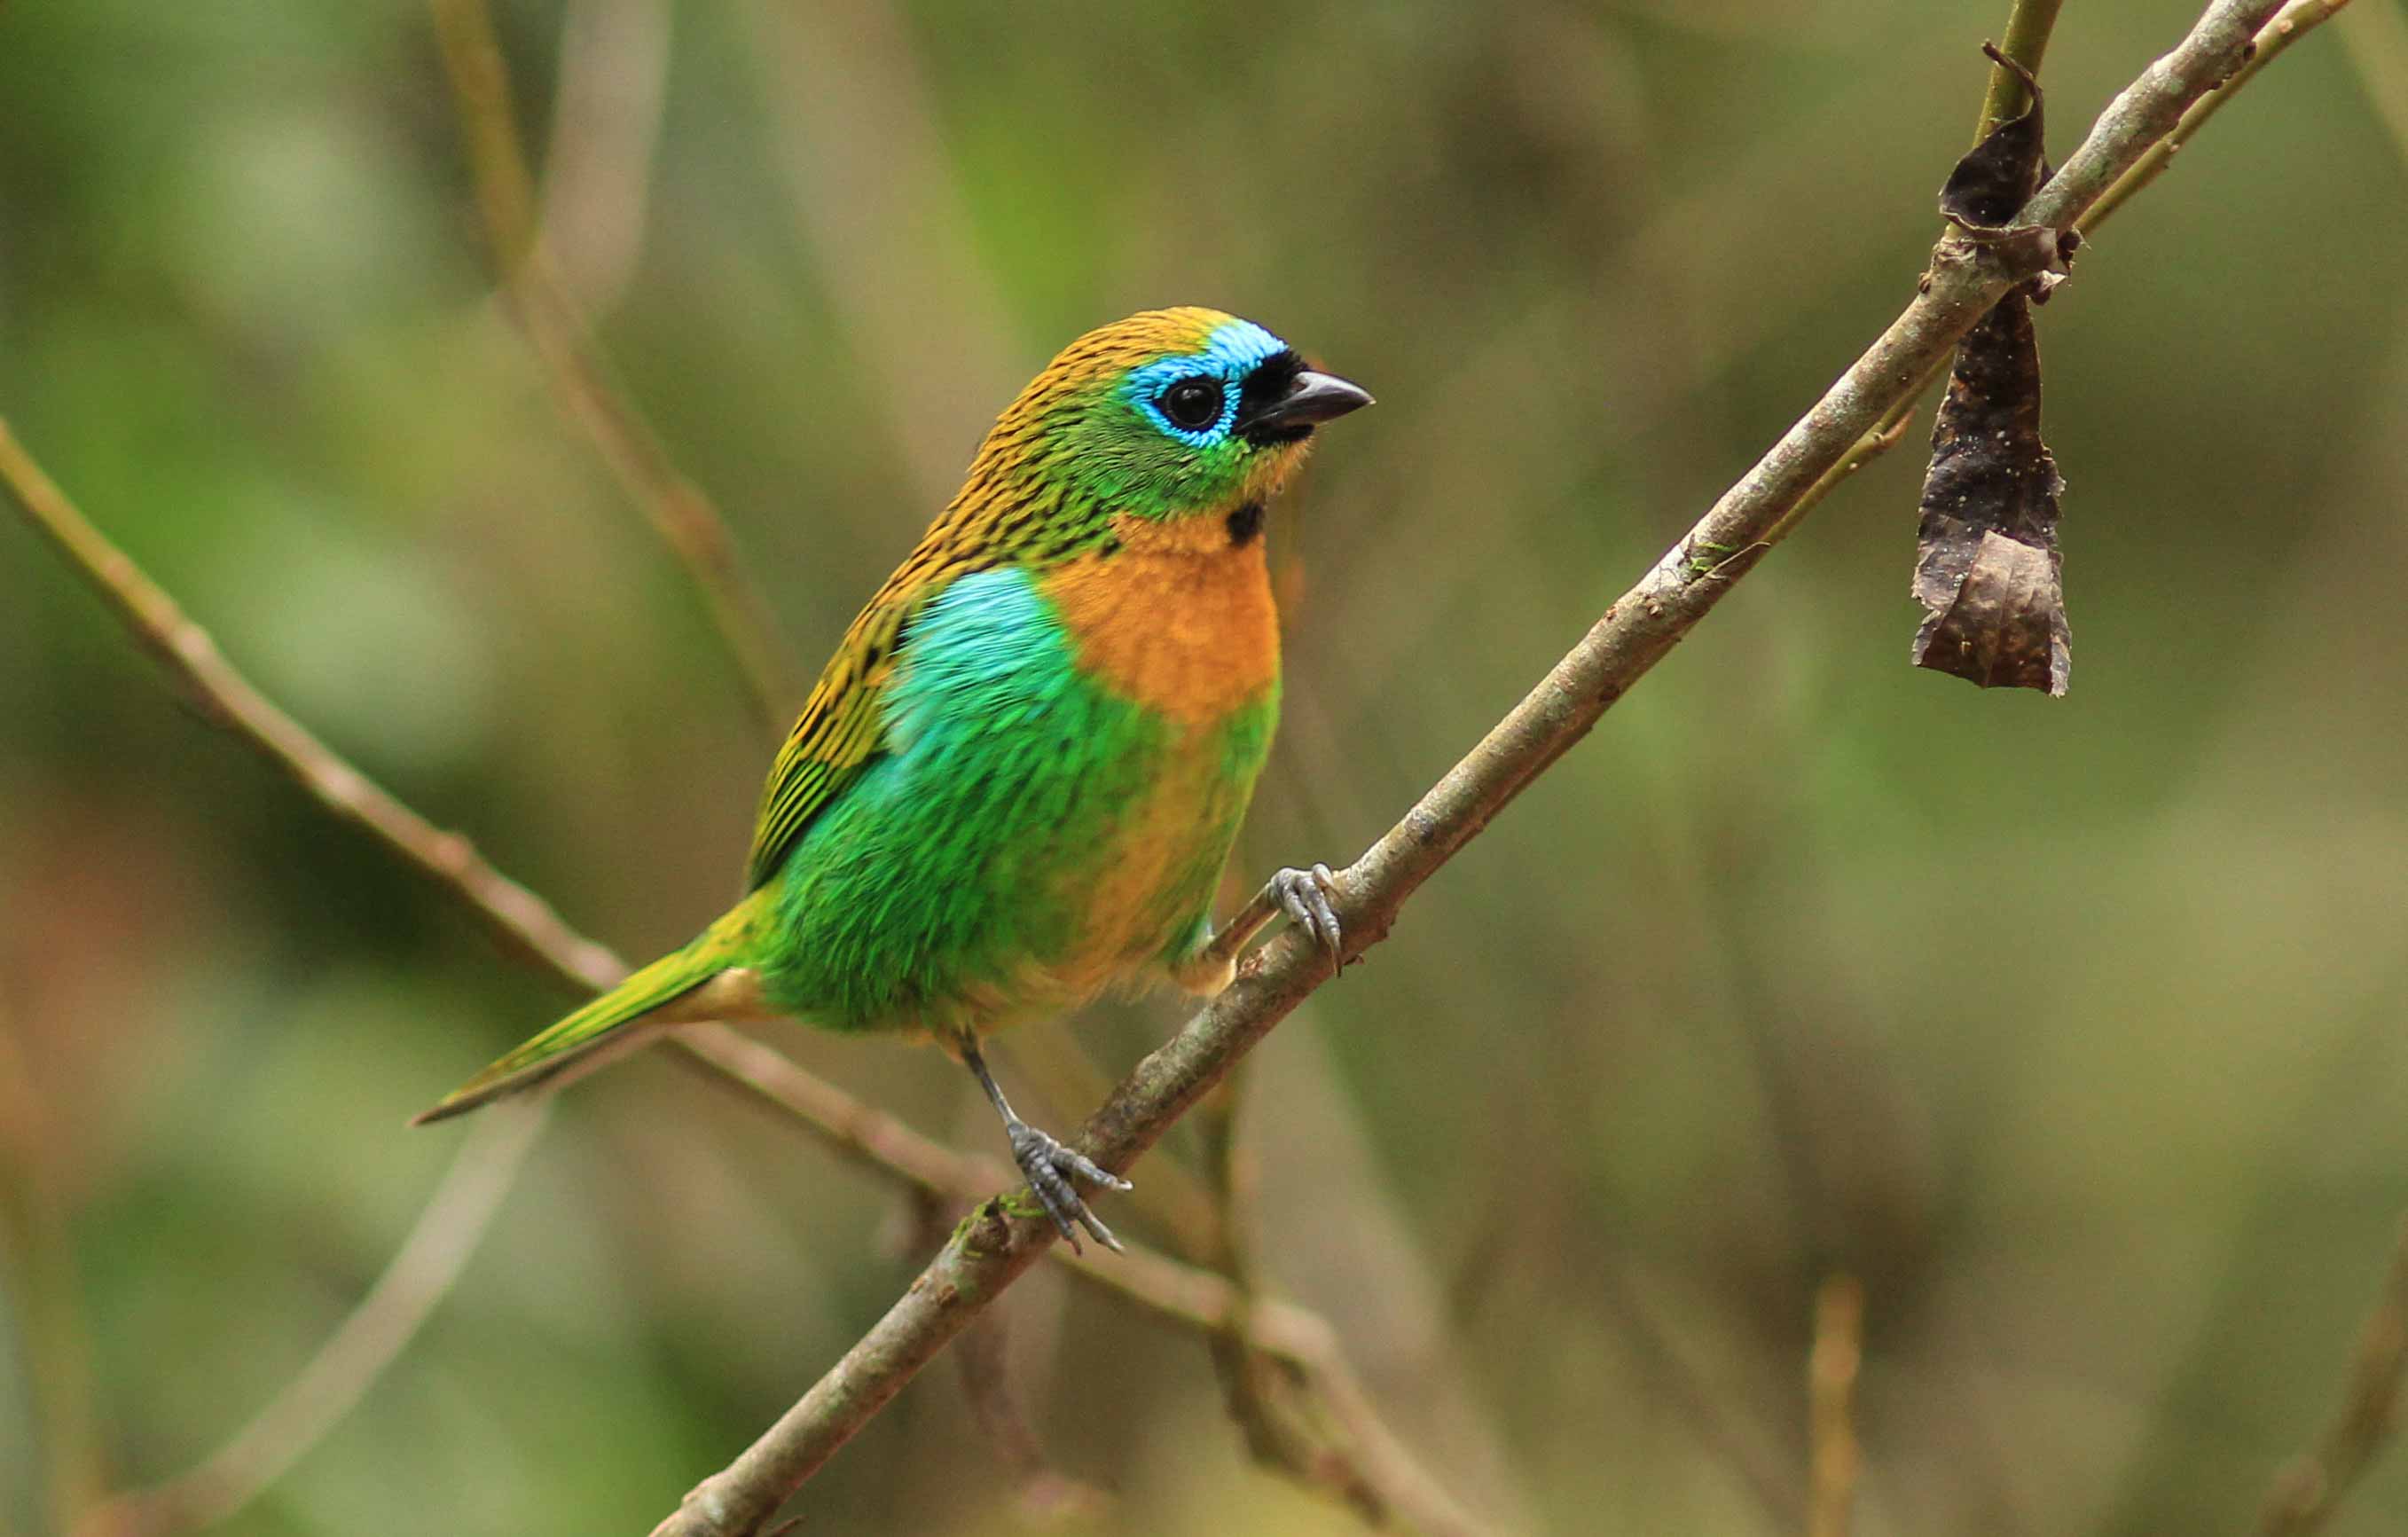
1192 404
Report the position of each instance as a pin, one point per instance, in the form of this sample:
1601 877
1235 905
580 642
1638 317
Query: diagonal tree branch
523 923
1001 1239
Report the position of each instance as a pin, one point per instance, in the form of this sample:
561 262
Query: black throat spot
1245 525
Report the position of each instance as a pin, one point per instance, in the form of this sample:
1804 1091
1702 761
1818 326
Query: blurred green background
2074 1028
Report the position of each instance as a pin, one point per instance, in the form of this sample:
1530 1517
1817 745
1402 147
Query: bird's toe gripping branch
1048 1166
1304 895
1051 1167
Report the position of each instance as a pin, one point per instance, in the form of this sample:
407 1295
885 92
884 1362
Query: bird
1016 784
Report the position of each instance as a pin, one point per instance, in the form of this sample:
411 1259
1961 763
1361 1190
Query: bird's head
1166 416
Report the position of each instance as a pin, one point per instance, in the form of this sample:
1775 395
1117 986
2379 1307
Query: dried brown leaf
1987 571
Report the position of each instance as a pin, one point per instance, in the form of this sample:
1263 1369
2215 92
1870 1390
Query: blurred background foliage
2074 1028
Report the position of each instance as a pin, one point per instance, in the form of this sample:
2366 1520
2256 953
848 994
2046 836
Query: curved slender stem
1830 1393
38 1274
356 1355
2307 1492
2027 39
580 379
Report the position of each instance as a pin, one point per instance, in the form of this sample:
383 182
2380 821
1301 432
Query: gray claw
1049 1168
1304 896
1094 1224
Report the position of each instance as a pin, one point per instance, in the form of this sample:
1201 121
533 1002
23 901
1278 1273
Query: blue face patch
1232 351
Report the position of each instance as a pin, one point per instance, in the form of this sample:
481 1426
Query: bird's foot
1304 896
1051 1167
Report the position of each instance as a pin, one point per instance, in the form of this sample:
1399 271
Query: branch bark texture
1000 1240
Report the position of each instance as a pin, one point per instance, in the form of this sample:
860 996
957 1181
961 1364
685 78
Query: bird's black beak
1309 399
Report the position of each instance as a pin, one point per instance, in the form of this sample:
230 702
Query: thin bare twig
580 379
522 921
606 122
1000 1241
1042 1493
2291 24
1830 1395
877 203
2029 25
1266 1400
37 1263
2306 1492
524 924
1668 1376
357 1353
1302 1412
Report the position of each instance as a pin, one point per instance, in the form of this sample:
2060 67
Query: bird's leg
1049 1166
1302 895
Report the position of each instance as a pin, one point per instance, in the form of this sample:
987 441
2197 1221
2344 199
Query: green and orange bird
1016 783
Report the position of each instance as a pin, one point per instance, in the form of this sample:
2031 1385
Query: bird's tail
670 990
